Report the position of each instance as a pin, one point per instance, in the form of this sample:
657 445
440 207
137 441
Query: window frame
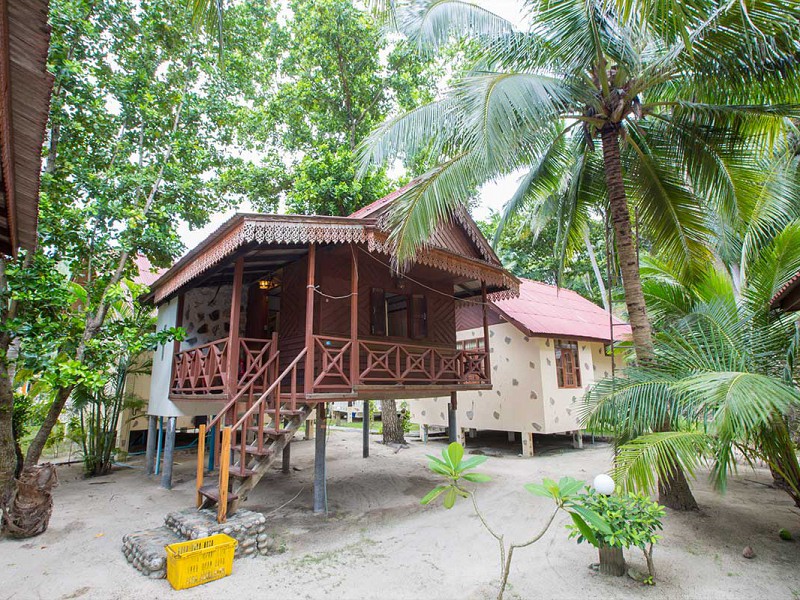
560 346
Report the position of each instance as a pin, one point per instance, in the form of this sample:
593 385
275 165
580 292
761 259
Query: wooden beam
233 334
224 468
355 361
310 283
487 363
201 453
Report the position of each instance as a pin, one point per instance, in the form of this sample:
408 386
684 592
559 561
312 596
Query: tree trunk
674 492
392 425
40 439
8 455
626 248
612 561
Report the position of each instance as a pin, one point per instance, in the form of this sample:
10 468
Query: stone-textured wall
207 315
525 395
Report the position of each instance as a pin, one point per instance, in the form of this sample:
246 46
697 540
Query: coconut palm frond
641 462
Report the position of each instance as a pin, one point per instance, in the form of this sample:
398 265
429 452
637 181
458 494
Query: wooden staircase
255 427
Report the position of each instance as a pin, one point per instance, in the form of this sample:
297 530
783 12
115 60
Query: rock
748 552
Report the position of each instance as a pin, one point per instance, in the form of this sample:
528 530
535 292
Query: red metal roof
147 272
545 310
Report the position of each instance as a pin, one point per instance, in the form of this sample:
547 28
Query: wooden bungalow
286 313
25 86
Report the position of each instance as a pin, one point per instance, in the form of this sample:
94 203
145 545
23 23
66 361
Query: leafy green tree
142 134
530 252
683 99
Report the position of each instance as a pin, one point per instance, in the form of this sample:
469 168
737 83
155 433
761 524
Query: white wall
525 395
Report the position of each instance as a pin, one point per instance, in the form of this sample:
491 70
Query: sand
378 542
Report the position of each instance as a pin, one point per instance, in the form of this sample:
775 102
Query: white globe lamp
604 484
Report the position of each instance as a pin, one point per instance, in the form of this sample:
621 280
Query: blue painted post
160 441
211 447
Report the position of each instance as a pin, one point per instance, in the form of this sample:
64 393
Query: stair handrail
232 403
270 389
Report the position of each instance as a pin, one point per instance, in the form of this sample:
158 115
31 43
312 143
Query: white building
547 347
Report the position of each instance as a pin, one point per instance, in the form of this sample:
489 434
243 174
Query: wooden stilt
152 440
452 421
320 485
286 458
365 430
309 430
169 451
224 468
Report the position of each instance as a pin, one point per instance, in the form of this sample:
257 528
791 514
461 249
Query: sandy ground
378 542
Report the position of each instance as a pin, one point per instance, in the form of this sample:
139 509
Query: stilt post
286 458
160 439
320 484
169 452
201 457
365 430
152 441
452 421
527 443
224 468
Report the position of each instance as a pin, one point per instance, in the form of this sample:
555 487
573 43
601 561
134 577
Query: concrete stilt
320 486
527 444
286 464
461 437
169 452
577 440
512 436
365 430
152 440
473 433
309 429
423 432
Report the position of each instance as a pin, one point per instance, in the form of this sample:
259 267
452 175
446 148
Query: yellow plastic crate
200 561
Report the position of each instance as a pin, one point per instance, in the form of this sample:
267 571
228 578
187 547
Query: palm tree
680 96
725 373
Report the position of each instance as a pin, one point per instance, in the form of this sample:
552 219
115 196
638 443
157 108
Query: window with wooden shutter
377 311
568 367
419 316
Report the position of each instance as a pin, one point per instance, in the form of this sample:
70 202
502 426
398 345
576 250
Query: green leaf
473 462
585 530
537 489
433 494
592 518
455 452
450 497
477 477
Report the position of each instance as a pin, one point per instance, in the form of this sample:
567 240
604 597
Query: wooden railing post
354 350
232 375
486 360
309 370
224 467
201 458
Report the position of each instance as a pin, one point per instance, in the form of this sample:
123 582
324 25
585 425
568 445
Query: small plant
632 519
456 470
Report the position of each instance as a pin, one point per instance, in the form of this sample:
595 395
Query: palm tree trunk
674 491
626 248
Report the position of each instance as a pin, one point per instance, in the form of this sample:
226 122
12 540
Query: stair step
269 430
235 471
254 450
212 493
